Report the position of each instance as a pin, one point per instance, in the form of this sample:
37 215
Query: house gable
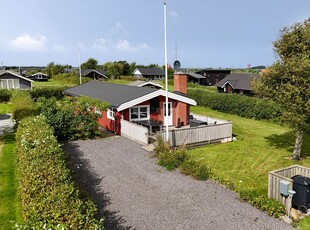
12 80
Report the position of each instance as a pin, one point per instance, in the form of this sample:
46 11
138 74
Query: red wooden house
136 104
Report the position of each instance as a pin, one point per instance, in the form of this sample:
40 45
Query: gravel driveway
133 192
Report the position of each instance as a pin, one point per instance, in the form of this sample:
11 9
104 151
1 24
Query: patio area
201 130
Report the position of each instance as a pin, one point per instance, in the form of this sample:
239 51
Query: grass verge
10 207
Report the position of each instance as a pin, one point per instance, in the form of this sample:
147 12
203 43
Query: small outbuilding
10 80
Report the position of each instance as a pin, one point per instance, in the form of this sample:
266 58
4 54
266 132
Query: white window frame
110 114
139 118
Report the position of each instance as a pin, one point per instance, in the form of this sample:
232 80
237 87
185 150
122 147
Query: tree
287 81
91 63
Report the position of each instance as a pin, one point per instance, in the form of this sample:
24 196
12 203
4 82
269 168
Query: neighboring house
149 73
147 84
239 83
212 76
136 104
10 80
94 74
38 77
196 78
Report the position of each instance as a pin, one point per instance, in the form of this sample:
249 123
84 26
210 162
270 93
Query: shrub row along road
133 192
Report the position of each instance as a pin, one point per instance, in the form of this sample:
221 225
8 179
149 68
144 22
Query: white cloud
28 42
173 14
101 43
119 28
124 45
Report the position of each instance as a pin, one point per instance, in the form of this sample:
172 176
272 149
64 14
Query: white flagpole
166 73
80 71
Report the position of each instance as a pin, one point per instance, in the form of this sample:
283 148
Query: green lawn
5 108
10 208
260 147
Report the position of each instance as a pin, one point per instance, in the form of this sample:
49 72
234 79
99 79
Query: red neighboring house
136 104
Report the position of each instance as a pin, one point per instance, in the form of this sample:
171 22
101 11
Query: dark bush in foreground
47 192
5 95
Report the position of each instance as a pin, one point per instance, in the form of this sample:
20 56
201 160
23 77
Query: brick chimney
180 83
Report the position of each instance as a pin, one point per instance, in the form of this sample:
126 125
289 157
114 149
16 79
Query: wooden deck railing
198 135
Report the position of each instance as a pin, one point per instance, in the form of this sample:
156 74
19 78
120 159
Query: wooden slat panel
134 131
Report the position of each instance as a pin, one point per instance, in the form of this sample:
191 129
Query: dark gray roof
238 81
194 75
114 94
101 72
151 71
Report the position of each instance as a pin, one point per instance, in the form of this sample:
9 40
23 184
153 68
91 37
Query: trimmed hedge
49 92
48 195
243 106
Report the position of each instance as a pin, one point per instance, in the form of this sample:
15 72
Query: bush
243 106
197 169
23 105
130 78
70 79
5 95
47 192
168 157
73 118
48 92
271 206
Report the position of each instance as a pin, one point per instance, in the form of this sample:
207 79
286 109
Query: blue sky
208 33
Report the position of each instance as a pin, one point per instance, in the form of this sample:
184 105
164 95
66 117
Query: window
110 114
140 112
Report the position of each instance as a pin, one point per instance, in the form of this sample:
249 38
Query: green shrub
70 78
73 118
130 78
48 92
5 95
271 206
172 159
47 192
197 169
23 105
168 157
243 106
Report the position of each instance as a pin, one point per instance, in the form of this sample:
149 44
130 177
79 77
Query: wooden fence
274 178
135 132
198 135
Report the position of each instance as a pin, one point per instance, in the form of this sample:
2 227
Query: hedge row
243 106
49 92
48 195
